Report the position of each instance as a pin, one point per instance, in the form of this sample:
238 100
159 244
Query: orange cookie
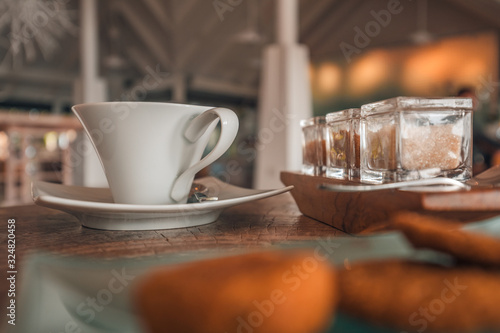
278 291
418 297
442 235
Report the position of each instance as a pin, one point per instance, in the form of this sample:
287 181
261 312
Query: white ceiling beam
330 27
140 59
165 19
310 17
145 66
183 9
215 56
329 43
145 33
215 59
225 32
157 8
193 46
183 53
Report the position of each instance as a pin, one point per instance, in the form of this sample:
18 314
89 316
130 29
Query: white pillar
92 88
89 48
287 22
284 99
179 93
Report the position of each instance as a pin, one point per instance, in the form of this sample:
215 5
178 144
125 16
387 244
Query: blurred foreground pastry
446 236
259 292
418 297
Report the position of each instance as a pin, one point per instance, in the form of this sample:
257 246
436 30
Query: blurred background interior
56 53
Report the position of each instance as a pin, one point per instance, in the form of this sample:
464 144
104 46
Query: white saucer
94 207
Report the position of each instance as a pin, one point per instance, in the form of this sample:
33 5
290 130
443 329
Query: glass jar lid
313 121
343 115
417 104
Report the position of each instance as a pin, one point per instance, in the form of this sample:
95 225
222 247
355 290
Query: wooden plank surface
254 224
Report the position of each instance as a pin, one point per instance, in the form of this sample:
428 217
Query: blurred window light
449 63
30 152
71 135
369 72
423 69
4 146
50 139
63 140
329 78
31 169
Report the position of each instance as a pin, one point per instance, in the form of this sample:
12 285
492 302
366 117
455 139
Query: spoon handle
488 178
410 183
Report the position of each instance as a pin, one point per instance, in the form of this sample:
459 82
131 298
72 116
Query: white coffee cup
151 152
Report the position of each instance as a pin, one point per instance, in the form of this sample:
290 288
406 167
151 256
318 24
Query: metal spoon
488 178
199 193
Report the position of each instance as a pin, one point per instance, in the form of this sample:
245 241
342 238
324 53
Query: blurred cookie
446 236
418 297
279 291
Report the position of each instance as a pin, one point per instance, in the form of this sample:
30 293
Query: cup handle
195 129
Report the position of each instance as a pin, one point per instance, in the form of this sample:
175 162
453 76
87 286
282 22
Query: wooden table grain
255 224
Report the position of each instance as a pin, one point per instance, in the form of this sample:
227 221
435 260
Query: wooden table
258 223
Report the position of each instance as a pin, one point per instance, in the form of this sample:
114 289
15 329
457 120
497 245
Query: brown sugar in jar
342 132
407 138
313 146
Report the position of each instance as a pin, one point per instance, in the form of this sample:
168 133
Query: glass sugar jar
342 144
313 146
407 138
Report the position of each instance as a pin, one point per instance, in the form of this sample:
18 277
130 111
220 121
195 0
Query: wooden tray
360 211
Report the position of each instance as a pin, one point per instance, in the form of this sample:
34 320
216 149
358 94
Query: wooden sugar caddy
362 212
